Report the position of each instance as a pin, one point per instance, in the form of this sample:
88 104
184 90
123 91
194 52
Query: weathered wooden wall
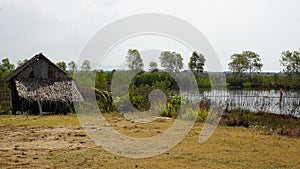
42 69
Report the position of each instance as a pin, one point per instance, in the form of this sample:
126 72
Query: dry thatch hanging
40 81
47 90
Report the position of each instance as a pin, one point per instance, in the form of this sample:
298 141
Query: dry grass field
60 142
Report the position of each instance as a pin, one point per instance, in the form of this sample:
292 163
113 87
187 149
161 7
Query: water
254 100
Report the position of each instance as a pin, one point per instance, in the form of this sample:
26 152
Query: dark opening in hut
40 86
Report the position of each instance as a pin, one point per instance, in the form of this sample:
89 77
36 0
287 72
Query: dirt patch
40 145
22 145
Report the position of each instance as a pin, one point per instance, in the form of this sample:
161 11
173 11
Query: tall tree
197 62
134 60
291 62
72 66
6 65
153 65
238 64
62 65
245 61
21 62
86 65
254 62
171 61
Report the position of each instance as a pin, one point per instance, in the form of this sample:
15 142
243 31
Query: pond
254 100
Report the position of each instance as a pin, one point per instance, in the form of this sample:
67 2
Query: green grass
282 124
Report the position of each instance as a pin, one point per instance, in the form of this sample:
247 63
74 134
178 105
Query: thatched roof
47 90
21 68
62 88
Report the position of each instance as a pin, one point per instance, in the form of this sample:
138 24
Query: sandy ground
67 146
22 145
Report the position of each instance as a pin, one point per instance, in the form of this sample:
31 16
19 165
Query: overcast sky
60 29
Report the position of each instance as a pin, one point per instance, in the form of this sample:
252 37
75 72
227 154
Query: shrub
246 84
197 115
140 102
173 107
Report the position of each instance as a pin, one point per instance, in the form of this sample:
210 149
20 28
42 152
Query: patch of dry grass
229 147
39 120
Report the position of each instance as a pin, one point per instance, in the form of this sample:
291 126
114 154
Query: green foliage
62 65
264 81
140 102
72 66
254 62
153 65
104 101
202 116
20 62
85 79
3 73
246 114
240 117
154 80
171 61
195 115
173 107
291 62
197 62
238 64
246 84
134 60
101 80
6 65
86 65
122 103
246 61
203 81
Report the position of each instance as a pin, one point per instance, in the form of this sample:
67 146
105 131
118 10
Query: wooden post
13 97
40 106
70 107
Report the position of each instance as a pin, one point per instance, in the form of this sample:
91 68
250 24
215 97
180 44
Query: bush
246 114
195 115
246 84
239 117
173 107
203 81
140 102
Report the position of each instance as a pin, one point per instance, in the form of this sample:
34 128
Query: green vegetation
280 124
291 62
243 62
245 68
62 65
197 62
171 61
134 60
153 66
86 65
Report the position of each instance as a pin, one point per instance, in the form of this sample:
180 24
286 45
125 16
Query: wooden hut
40 86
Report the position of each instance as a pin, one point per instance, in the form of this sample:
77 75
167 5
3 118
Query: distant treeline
245 70
245 73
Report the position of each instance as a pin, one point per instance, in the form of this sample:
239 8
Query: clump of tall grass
200 113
